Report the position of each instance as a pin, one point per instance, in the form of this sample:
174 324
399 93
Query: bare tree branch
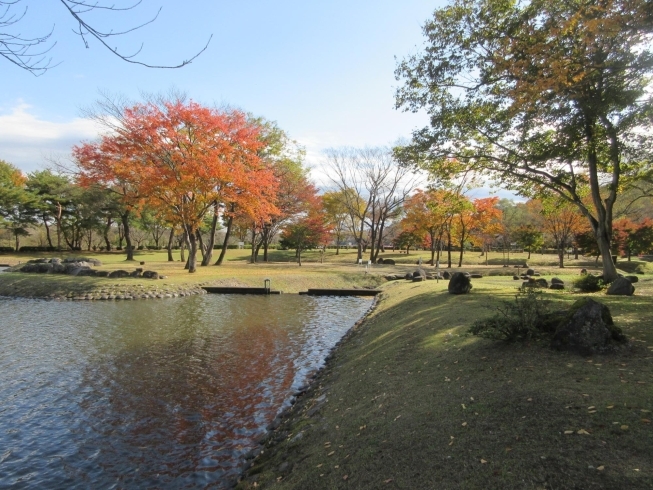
30 52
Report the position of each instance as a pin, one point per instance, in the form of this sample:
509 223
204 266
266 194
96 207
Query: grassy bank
410 401
319 270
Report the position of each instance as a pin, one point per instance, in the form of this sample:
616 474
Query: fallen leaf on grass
463 405
451 442
529 400
646 421
319 466
591 408
592 411
508 449
600 468
569 432
483 461
624 427
610 407
583 432
345 477
331 453
387 481
398 416
464 424
645 411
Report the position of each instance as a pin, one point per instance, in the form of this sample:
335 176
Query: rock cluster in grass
79 267
129 292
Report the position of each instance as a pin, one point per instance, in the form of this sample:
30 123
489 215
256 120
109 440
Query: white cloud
27 141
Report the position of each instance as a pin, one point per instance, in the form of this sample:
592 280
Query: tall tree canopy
183 157
546 96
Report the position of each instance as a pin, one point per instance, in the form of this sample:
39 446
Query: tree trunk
182 248
460 260
192 250
448 250
200 243
57 219
105 234
209 246
252 259
17 241
529 254
124 217
47 231
299 256
561 257
609 267
225 243
170 239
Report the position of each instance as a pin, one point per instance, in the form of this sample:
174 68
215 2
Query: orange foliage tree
181 157
485 223
562 221
428 213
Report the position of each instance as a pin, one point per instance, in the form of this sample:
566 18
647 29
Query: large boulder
38 267
632 279
90 261
556 285
587 329
118 274
388 262
419 273
476 276
419 278
459 283
556 280
530 272
78 271
379 260
446 275
621 287
151 275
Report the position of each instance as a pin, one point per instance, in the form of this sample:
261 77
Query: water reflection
151 394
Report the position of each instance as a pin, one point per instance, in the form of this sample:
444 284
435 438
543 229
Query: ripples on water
152 394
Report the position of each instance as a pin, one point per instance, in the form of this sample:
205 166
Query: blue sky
323 70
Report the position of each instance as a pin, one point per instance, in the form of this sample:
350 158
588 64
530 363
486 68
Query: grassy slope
412 402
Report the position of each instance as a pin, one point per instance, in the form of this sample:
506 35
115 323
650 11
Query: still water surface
152 394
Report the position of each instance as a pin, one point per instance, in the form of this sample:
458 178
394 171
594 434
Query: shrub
36 249
6 249
589 283
524 318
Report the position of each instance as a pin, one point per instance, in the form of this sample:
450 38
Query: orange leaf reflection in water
186 410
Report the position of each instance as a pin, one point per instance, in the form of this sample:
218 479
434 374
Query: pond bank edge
301 397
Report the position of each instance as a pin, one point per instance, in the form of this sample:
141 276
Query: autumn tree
307 232
485 223
429 213
561 220
181 156
545 97
633 238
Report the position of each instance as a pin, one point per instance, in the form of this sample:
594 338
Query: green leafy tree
545 97
17 205
52 192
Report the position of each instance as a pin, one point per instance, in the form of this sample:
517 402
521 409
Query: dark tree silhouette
32 53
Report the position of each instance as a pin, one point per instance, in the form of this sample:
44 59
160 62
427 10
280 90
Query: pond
152 394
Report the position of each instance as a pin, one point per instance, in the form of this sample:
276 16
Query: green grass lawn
411 401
